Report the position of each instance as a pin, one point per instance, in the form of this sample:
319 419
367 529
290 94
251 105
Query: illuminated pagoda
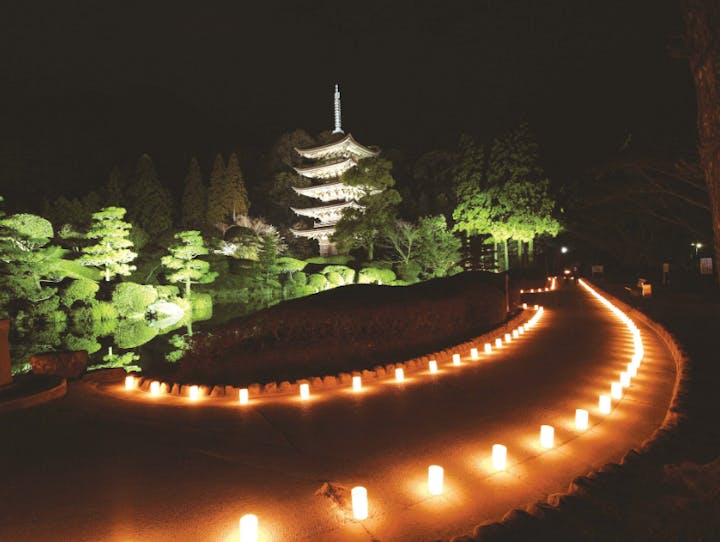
325 166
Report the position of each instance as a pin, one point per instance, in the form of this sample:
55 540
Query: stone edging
319 383
42 396
522 523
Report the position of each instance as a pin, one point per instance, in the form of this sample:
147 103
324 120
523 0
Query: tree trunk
107 274
507 255
187 289
702 34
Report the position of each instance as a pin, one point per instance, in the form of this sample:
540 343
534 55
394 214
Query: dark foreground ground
99 465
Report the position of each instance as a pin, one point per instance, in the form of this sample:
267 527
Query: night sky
86 85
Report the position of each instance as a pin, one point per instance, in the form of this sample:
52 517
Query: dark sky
86 85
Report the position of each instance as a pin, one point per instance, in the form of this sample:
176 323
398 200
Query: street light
564 250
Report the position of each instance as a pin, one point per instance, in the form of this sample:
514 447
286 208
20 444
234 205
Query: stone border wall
546 520
319 383
38 398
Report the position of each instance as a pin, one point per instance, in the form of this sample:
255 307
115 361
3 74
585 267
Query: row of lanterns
131 381
436 473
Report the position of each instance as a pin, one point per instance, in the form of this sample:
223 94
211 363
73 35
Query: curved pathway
94 466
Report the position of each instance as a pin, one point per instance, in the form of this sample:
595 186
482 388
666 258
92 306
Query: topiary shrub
373 275
132 299
290 265
409 271
79 290
347 274
334 279
317 282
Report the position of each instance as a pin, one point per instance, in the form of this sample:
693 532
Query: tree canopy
113 250
183 263
361 228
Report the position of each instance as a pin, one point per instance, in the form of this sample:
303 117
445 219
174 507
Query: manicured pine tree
236 193
215 214
113 249
183 264
194 200
151 205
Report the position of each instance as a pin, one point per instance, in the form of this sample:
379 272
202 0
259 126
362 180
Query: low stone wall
602 493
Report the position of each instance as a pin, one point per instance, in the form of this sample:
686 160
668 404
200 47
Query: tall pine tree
150 202
114 188
215 214
194 200
237 197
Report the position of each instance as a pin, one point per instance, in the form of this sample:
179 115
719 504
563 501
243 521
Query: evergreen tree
183 263
113 249
114 189
236 194
150 202
216 208
362 227
194 200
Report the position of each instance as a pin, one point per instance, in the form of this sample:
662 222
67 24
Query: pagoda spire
338 123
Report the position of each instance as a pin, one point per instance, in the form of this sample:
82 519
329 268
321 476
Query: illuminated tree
27 261
361 228
114 189
150 204
194 199
183 262
113 249
216 209
236 197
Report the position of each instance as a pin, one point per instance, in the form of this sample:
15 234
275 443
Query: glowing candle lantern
488 348
604 404
521 329
632 369
616 390
456 359
129 382
194 393
435 479
532 290
508 338
474 353
498 343
515 334
154 388
499 456
522 291
547 436
524 305
244 396
356 383
536 307
432 366
305 391
625 379
399 374
581 419
359 502
249 528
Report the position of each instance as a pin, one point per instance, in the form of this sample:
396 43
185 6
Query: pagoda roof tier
324 232
327 215
345 146
329 170
331 191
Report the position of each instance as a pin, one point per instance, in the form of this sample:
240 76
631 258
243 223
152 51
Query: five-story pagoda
325 165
